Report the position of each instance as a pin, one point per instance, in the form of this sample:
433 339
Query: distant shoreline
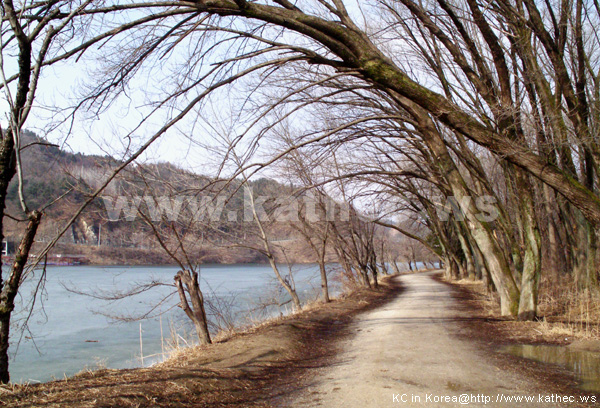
174 264
107 255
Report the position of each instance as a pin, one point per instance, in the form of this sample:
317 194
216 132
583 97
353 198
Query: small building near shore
8 247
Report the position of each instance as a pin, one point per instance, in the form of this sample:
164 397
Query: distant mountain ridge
50 172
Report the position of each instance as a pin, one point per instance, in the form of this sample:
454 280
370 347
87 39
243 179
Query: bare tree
32 37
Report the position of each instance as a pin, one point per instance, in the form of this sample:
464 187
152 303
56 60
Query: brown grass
565 312
565 306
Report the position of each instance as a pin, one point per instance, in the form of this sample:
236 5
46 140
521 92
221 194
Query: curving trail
406 350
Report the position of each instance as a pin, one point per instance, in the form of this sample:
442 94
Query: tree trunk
470 264
10 289
395 267
373 267
322 268
592 256
324 284
454 269
4 343
447 267
532 259
364 273
269 253
196 313
480 269
7 171
553 247
286 285
343 260
531 275
581 252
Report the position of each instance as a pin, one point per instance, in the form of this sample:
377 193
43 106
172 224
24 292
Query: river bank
77 324
292 251
246 369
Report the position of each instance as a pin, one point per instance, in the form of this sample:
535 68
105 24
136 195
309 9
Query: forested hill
46 171
50 172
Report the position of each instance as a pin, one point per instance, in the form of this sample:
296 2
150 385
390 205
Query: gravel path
407 353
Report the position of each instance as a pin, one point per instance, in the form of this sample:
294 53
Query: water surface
69 331
584 364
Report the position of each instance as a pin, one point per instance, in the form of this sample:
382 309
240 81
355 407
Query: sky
97 134
107 132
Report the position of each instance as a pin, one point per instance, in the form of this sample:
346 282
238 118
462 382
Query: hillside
50 173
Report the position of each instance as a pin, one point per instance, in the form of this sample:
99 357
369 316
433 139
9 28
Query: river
69 332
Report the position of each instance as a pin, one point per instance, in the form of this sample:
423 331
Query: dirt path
408 350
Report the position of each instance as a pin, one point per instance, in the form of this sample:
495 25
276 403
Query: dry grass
179 347
557 329
564 305
565 311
